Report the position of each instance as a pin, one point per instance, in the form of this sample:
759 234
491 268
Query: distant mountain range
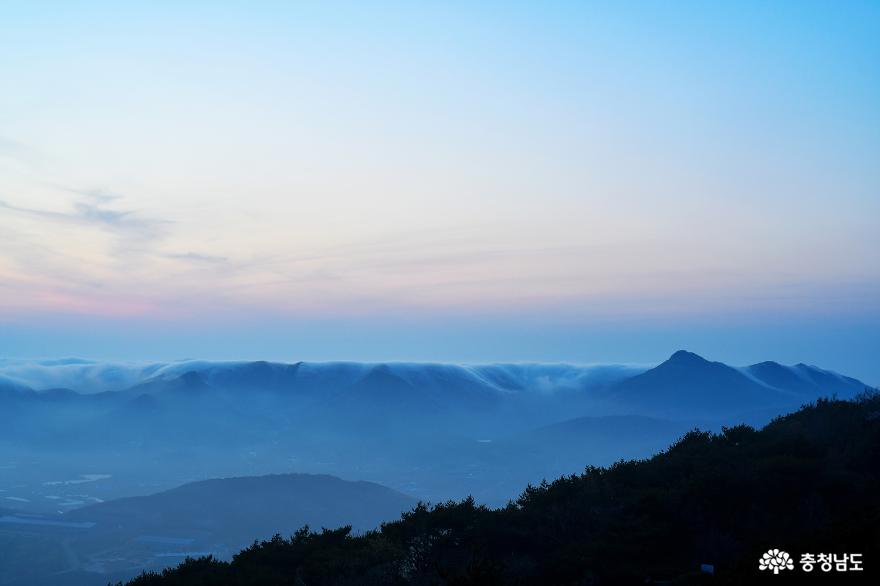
684 382
93 377
190 420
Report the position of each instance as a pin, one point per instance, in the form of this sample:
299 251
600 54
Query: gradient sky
441 181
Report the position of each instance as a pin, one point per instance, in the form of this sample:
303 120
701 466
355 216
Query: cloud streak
198 258
90 209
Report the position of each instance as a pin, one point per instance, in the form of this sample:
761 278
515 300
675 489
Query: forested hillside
808 482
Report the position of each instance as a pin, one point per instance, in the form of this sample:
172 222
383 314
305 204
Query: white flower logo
775 560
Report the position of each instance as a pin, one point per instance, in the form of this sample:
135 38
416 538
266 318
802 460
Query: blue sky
450 181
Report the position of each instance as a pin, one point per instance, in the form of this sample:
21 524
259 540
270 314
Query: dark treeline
807 482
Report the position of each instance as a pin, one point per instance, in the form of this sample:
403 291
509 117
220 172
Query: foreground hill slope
807 482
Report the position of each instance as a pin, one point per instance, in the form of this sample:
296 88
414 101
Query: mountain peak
688 383
683 357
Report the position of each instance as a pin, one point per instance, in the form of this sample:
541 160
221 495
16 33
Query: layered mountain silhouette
222 403
484 429
433 431
492 399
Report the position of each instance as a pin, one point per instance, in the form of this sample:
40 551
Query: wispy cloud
89 277
197 257
91 208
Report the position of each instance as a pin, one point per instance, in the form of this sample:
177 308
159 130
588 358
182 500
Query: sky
561 181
